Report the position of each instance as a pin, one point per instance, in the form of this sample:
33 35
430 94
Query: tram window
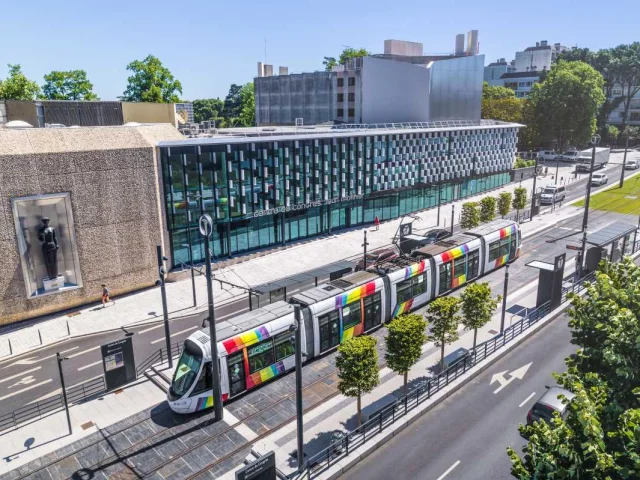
285 345
445 277
329 331
372 311
351 315
260 356
411 288
504 246
404 291
494 251
204 382
513 245
473 262
187 370
459 267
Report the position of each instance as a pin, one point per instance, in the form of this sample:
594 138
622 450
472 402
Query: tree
519 201
496 92
487 209
504 203
404 343
508 109
357 363
477 307
17 86
208 109
470 217
612 133
151 82
442 315
247 116
69 85
347 53
627 69
568 99
232 105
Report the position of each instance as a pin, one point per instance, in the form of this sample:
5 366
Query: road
34 376
466 436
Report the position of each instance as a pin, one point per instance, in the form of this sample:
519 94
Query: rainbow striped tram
259 345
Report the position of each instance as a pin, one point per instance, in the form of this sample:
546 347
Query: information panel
263 468
119 363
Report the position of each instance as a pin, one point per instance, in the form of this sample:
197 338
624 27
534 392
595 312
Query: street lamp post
193 274
504 297
439 188
624 161
299 412
64 390
206 228
453 214
163 293
364 246
533 194
595 140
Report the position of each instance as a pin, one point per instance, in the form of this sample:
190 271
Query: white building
617 114
538 58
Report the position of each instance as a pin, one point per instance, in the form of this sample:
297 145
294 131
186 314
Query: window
460 267
260 356
351 315
352 81
616 93
522 84
504 246
473 264
329 331
352 112
341 112
285 345
341 82
341 97
351 97
204 382
372 311
445 277
494 251
187 370
411 288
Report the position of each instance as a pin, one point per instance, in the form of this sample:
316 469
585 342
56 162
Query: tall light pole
206 228
624 160
453 214
364 246
595 140
299 412
162 272
504 297
64 390
533 195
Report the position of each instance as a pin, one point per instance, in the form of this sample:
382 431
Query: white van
547 155
632 164
552 194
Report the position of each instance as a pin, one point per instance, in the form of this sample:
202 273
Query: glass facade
269 191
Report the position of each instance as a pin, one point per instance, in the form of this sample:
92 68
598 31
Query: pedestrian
376 222
106 296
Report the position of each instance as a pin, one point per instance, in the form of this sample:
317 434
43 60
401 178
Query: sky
210 44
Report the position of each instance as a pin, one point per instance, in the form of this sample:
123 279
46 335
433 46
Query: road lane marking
22 374
18 392
174 334
92 349
449 470
149 329
69 350
90 365
526 399
502 380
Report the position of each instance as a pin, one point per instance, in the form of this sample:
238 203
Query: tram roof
491 227
334 287
442 246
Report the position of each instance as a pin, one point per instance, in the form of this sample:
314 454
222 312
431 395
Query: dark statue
47 236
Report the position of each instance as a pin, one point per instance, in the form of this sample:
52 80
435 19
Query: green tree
496 92
151 82
17 86
470 217
68 85
442 315
519 201
487 209
404 343
233 105
357 363
627 69
247 116
347 53
509 109
612 133
208 109
477 307
504 203
568 99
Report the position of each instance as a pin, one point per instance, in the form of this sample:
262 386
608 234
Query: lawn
621 200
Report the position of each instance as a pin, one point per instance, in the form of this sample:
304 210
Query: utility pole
595 140
504 297
364 245
64 390
453 213
193 273
299 412
206 228
624 161
535 178
439 205
163 293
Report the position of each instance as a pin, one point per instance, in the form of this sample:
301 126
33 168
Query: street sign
118 363
206 225
264 468
500 377
573 247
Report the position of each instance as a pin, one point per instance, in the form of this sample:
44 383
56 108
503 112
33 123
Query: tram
259 345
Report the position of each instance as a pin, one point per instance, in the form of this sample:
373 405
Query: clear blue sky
210 44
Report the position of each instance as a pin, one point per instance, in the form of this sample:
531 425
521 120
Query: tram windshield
187 370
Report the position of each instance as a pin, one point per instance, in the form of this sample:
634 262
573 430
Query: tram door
372 311
237 383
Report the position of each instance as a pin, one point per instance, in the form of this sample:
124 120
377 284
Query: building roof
521 75
541 47
497 64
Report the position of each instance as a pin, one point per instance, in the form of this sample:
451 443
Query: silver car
599 179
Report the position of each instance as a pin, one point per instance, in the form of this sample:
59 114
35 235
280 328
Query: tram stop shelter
277 290
610 243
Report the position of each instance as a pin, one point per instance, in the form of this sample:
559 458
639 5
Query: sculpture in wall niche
47 236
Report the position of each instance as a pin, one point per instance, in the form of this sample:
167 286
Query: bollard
68 329
10 348
40 335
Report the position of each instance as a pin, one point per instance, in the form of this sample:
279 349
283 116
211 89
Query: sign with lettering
264 468
302 206
118 362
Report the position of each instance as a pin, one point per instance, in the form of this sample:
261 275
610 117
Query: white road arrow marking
500 377
24 361
24 381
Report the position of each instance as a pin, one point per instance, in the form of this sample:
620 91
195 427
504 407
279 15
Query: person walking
106 296
376 222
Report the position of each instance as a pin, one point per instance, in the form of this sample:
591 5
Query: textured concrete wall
149 112
112 175
22 110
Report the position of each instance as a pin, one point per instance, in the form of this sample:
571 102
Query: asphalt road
34 376
466 436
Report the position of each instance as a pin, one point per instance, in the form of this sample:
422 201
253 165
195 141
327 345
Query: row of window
351 112
270 351
466 265
351 81
411 288
351 97
500 248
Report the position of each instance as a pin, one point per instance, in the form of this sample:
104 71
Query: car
570 156
436 235
547 155
631 164
552 194
548 403
377 256
599 179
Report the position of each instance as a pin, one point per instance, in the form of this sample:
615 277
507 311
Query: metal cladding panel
455 91
84 114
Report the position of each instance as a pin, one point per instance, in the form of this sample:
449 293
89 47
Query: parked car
547 155
548 403
632 164
436 235
375 257
599 179
552 194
